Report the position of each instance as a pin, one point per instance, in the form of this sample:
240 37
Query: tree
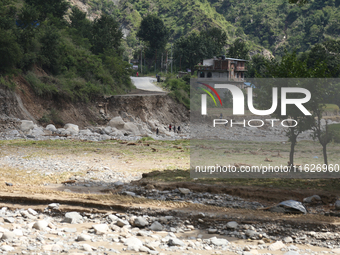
153 32
10 51
193 48
57 8
291 67
257 66
322 133
106 34
80 22
27 34
239 49
215 39
50 49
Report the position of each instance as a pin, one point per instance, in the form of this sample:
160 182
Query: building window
202 75
209 75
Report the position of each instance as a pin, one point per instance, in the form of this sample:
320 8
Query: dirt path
145 83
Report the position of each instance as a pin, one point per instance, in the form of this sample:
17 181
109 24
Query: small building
220 70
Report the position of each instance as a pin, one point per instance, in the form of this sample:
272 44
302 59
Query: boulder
7 248
8 236
276 246
112 218
184 190
133 243
85 132
232 224
140 222
40 225
51 127
337 204
72 217
288 239
314 198
73 129
176 242
101 229
132 128
122 223
65 132
108 130
218 241
117 133
156 226
83 237
87 247
117 122
38 131
292 253
26 125
105 137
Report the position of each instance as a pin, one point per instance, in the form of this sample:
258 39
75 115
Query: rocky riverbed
27 231
31 230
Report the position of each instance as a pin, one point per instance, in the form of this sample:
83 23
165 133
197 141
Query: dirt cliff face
161 108
23 103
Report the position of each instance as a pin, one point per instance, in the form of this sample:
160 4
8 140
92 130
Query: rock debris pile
117 128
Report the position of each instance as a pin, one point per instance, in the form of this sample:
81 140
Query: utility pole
141 59
180 60
162 63
166 62
171 58
155 60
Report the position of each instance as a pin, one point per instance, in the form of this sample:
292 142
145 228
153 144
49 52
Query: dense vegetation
75 60
273 24
276 24
79 58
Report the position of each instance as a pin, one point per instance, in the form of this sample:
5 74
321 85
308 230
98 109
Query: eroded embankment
23 103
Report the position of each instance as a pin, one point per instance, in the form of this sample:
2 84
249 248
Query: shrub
335 129
41 88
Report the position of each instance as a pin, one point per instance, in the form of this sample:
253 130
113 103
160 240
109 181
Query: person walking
137 74
174 129
169 127
179 129
157 131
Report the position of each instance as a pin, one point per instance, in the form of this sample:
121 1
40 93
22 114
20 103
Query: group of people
174 128
178 129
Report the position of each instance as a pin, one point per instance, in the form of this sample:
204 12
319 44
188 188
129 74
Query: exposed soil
25 104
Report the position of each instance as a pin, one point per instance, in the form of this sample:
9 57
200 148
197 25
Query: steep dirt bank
23 103
161 108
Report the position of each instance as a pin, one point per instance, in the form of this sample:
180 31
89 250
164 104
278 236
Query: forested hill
276 24
273 24
180 17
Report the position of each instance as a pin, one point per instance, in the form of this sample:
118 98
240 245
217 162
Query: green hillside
276 24
272 24
181 17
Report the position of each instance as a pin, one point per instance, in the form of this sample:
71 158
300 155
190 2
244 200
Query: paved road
145 83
